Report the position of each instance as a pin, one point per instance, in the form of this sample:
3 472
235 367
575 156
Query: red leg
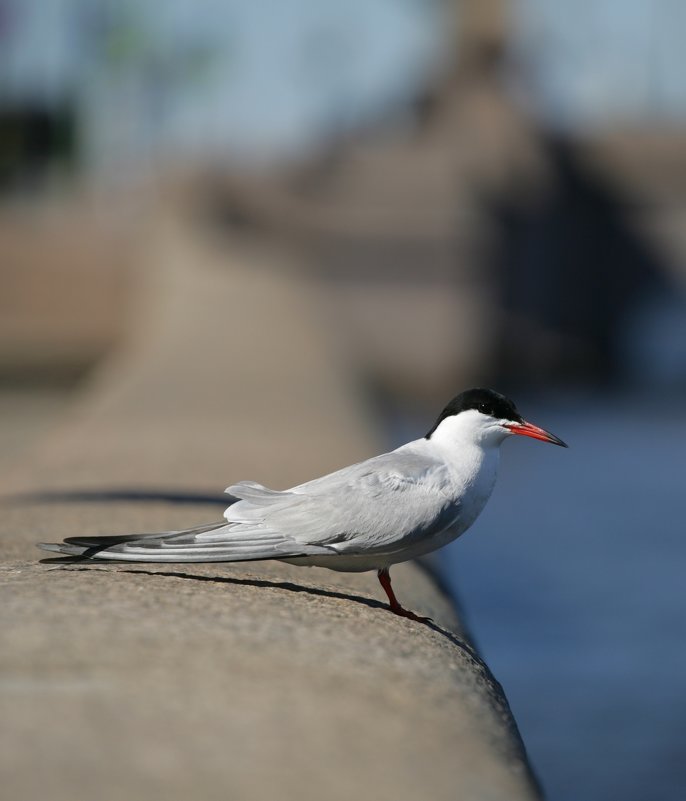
396 608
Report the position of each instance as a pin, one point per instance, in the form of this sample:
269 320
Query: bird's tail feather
185 546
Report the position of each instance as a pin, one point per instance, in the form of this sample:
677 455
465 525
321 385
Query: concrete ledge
207 681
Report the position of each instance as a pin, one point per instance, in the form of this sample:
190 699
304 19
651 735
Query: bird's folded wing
228 544
384 504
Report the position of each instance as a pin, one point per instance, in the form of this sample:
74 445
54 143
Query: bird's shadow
288 586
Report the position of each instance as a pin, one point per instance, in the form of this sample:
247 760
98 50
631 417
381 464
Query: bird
368 516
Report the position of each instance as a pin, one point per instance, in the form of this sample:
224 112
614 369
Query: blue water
573 581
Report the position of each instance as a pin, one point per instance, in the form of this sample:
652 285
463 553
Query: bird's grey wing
217 542
381 505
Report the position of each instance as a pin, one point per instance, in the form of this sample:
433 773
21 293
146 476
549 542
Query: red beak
530 430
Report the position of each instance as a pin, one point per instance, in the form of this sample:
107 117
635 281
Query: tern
397 506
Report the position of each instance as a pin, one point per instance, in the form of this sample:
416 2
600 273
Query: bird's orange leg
395 607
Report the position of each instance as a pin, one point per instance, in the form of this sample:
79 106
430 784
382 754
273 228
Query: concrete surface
205 681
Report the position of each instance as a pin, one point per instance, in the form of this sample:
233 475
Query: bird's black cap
486 401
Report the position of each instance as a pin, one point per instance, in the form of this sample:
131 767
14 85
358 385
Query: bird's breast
474 480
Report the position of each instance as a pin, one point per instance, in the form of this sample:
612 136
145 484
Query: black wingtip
103 541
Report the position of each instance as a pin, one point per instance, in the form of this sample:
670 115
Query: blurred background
472 192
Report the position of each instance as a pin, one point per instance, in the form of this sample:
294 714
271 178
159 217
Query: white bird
368 516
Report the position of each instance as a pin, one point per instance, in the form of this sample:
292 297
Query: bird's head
486 417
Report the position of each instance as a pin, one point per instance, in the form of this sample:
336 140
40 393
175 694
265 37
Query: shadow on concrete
288 586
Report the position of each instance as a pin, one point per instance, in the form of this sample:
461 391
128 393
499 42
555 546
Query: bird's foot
402 612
